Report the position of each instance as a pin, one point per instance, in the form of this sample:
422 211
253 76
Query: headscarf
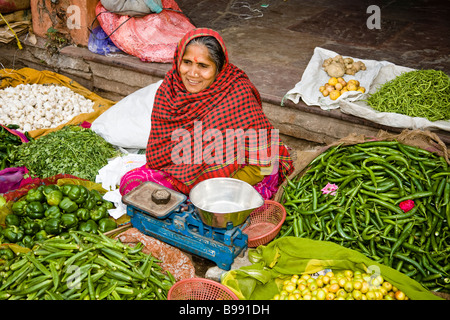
231 102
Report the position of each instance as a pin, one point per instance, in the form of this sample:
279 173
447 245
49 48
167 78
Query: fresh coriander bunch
72 150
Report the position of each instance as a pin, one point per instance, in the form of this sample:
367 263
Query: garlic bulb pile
41 106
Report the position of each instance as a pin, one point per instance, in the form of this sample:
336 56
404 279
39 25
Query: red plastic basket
265 223
200 289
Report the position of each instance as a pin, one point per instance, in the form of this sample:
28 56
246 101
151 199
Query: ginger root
338 66
335 69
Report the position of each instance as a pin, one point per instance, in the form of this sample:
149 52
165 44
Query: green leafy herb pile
419 93
71 150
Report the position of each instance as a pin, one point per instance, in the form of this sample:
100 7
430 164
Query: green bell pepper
74 192
98 213
89 203
18 207
68 205
53 212
88 226
40 222
53 226
35 210
14 233
31 227
106 224
6 253
107 204
65 189
54 197
83 214
41 235
35 195
12 220
49 188
69 220
84 194
27 241
96 196
2 201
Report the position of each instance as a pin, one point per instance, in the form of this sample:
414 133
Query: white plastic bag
109 175
127 124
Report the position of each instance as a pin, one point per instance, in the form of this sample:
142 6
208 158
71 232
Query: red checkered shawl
191 128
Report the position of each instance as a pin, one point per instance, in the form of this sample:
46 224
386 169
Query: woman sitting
207 122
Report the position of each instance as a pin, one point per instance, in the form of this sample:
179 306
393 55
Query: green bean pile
419 93
84 266
363 214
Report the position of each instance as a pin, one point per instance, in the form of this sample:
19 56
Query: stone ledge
118 60
109 75
336 117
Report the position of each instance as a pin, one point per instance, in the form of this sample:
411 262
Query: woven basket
200 289
265 223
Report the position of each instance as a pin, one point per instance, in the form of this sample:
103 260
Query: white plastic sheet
377 73
314 76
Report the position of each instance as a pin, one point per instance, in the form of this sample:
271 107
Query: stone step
116 76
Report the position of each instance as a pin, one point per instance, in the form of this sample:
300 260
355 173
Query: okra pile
388 200
84 266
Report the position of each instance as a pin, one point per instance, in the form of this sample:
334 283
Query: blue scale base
182 228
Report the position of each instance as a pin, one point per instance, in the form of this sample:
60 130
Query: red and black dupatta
230 103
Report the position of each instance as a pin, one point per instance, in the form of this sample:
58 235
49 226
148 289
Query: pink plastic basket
200 289
265 223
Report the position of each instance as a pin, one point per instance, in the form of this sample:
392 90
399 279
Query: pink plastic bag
22 136
11 178
151 38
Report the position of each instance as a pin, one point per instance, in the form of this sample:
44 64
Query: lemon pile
342 285
335 87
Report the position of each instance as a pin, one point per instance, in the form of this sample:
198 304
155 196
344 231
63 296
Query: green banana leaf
293 255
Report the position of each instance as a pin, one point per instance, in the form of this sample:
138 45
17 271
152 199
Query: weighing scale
177 223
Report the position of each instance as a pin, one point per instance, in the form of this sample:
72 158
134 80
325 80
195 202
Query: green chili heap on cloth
71 150
419 93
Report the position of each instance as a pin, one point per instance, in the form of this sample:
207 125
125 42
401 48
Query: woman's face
196 69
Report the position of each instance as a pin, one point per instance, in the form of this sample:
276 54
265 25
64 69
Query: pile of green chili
419 93
361 208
